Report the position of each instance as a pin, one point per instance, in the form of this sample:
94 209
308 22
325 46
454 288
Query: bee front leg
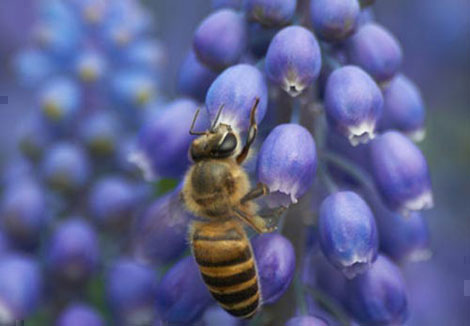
258 223
260 190
251 133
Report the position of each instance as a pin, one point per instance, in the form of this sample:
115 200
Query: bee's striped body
225 258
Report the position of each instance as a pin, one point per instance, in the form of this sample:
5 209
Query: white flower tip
293 87
417 135
362 133
141 160
420 202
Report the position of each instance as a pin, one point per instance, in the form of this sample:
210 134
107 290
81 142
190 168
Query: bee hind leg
258 223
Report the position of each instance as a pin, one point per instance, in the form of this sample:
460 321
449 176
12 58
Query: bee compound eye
228 145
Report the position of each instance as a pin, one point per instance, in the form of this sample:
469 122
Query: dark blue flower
78 314
270 12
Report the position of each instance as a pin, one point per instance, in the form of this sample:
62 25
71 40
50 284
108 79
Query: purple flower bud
378 296
306 321
293 60
78 314
146 54
275 261
164 141
182 296
334 20
100 133
20 287
24 213
221 39
401 173
376 51
237 89
66 167
216 316
287 163
403 238
353 104
73 251
404 109
234 4
130 290
348 234
270 12
161 232
33 67
195 78
34 137
91 66
60 100
133 88
112 201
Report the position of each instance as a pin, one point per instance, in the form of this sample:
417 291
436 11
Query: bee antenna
191 130
217 117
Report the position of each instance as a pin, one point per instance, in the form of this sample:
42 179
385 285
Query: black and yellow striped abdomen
225 258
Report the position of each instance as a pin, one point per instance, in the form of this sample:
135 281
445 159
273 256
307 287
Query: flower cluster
69 196
336 122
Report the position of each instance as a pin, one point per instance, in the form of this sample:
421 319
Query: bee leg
273 213
260 190
256 222
251 133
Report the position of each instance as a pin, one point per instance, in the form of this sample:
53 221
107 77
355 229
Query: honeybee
217 189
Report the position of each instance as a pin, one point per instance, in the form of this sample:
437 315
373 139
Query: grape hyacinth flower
353 104
348 233
404 109
236 89
73 251
270 12
21 287
293 60
334 20
24 212
33 66
306 321
90 66
401 173
182 296
66 167
216 316
287 163
112 201
34 137
60 100
275 261
164 141
77 314
378 297
195 78
133 88
100 133
161 231
376 51
130 291
221 39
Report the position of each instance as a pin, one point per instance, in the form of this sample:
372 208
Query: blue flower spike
236 90
401 173
293 60
334 20
60 100
348 233
270 12
353 104
287 164
221 39
306 321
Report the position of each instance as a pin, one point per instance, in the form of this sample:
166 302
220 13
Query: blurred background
435 36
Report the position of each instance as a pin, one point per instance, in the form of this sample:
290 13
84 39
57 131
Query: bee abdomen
228 268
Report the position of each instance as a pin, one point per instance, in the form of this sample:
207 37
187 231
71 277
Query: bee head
219 142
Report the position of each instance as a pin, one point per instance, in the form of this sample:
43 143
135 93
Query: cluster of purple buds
334 120
69 199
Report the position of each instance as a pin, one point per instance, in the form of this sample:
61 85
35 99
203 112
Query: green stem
300 295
